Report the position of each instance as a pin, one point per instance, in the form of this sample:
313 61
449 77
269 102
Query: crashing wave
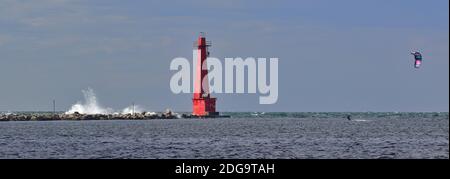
91 106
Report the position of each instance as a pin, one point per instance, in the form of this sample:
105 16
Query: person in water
349 117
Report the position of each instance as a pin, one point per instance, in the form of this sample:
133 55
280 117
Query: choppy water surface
246 135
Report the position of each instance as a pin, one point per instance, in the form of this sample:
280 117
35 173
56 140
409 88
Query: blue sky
348 55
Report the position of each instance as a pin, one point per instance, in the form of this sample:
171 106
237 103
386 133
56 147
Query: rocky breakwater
78 117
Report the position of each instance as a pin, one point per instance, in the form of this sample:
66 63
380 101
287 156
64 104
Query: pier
53 116
79 117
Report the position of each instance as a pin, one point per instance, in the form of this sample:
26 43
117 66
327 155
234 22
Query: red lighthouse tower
203 104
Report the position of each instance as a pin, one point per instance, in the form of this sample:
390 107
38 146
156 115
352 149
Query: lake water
245 135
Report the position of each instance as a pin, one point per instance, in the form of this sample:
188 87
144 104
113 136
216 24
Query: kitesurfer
417 59
349 117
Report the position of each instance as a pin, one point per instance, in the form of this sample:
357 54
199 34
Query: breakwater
77 116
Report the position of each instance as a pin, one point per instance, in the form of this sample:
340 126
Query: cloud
4 39
12 10
54 13
71 26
